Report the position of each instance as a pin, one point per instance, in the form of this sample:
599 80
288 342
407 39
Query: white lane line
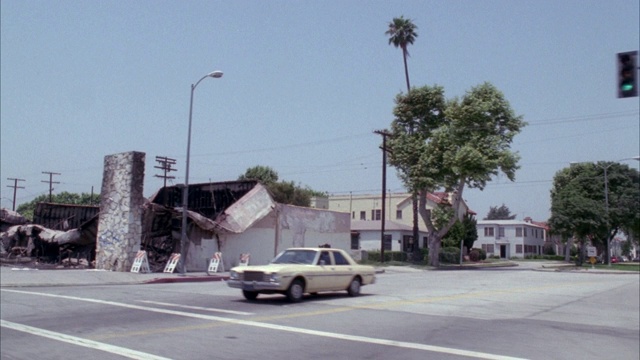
132 354
197 308
363 339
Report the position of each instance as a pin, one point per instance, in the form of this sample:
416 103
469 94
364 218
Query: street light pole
606 202
606 209
185 189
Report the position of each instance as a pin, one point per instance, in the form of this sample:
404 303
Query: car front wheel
354 287
295 291
250 295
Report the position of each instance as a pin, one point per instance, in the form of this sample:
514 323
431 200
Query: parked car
615 259
298 271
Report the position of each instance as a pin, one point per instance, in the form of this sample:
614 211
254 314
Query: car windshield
295 257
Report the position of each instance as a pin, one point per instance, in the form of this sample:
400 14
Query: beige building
366 217
398 206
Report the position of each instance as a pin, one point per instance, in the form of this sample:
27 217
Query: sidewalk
26 277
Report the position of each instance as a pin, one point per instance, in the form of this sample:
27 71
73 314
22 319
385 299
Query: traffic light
627 78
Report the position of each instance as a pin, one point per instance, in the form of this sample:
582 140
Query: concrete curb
186 279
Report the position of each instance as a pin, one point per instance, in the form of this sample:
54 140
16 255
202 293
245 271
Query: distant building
365 212
511 238
366 235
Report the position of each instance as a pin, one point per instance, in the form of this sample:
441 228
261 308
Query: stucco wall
284 227
120 223
306 227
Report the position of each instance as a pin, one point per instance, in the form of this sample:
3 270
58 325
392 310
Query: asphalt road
408 314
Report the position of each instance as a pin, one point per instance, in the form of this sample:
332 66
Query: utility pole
165 165
384 134
15 188
51 182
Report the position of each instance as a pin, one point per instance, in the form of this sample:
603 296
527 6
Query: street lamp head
216 74
636 158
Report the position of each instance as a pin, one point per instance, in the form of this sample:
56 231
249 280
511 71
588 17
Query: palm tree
402 32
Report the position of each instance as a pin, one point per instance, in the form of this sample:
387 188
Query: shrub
450 255
481 253
549 249
374 256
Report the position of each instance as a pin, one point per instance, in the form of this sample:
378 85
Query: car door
323 272
342 271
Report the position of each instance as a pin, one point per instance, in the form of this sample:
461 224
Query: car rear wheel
295 291
250 295
354 287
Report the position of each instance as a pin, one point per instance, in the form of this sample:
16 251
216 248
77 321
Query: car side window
324 256
340 260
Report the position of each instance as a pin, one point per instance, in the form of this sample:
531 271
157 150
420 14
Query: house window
376 214
501 232
353 214
399 214
387 242
518 232
363 215
488 248
519 248
355 241
488 231
525 232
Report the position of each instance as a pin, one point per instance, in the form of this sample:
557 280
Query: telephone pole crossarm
15 188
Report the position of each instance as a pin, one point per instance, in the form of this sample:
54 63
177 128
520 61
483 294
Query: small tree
499 213
284 192
264 174
465 231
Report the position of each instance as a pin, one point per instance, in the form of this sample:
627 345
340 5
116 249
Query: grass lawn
626 266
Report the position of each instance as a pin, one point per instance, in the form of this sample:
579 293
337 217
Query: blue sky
305 85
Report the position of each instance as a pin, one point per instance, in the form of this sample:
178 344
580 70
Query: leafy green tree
455 143
64 197
499 213
584 209
284 192
465 231
288 193
264 174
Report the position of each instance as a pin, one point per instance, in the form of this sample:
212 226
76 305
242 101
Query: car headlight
274 277
233 275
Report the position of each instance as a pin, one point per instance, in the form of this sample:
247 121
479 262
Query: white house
510 238
367 235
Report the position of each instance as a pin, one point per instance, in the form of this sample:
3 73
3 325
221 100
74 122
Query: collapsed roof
231 206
